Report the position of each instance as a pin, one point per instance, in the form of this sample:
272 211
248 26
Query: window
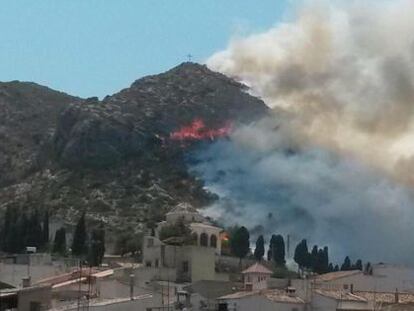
213 241
157 263
150 242
185 266
204 239
148 263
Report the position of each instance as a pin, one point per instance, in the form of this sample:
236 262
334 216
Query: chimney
26 282
291 291
352 289
397 296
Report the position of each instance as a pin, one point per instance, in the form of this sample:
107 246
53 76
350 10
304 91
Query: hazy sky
96 47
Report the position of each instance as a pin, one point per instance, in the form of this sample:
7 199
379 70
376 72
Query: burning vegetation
197 131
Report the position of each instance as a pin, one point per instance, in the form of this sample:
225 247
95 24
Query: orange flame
197 130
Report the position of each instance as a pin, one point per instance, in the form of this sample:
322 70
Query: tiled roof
274 295
257 268
403 298
331 276
282 296
340 295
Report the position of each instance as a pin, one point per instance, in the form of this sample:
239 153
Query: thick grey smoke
274 185
346 75
335 162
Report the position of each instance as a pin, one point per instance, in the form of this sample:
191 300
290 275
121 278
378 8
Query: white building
382 278
256 277
190 262
265 300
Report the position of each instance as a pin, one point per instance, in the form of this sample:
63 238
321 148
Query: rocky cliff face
113 157
28 116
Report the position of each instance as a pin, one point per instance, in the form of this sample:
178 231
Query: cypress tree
314 258
79 237
34 235
240 243
301 255
358 265
346 266
330 267
45 228
325 260
59 245
278 250
368 268
259 251
97 247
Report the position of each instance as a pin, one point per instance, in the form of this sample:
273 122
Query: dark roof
5 286
213 289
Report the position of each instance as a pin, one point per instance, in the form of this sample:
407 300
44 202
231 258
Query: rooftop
213 289
340 295
257 268
183 208
274 295
331 276
389 298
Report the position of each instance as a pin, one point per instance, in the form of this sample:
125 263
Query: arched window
203 239
194 238
213 241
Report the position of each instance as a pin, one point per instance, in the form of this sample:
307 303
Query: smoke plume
334 163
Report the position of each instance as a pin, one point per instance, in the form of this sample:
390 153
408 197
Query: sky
97 47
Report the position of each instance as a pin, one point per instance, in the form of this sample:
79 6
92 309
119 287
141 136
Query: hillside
116 158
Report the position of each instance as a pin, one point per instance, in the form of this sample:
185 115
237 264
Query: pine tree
59 245
240 243
79 237
336 268
346 266
278 250
259 251
330 267
97 247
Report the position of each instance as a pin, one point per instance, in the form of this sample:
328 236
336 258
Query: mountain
28 119
115 158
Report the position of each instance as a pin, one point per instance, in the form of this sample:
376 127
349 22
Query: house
33 298
265 300
256 277
329 300
381 278
203 295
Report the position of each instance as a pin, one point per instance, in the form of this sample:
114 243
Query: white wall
252 303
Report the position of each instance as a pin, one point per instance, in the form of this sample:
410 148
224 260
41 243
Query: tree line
21 229
89 247
316 260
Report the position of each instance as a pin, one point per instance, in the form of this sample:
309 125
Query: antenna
189 57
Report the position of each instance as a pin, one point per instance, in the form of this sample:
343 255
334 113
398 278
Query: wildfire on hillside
197 130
